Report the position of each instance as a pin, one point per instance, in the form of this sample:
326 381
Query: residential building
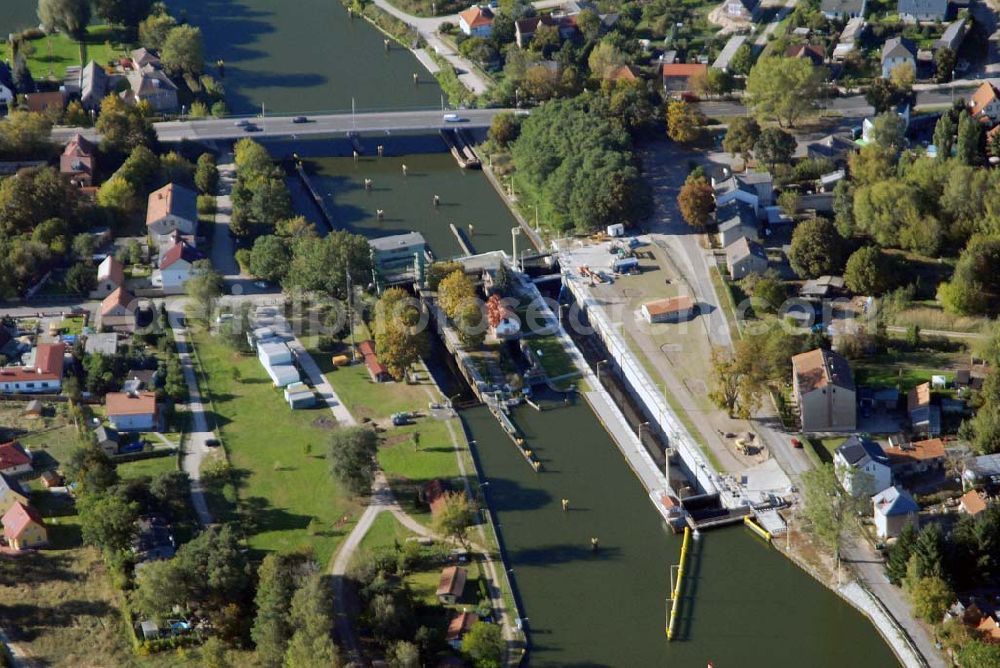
893 508
23 527
812 52
524 29
110 277
118 311
985 103
742 10
896 52
144 57
476 21
728 51
399 254
39 102
14 459
459 625
107 440
914 11
152 86
176 266
135 411
917 457
451 585
51 479
841 9
822 287
753 188
823 388
623 73
42 374
736 219
8 91
172 208
671 309
376 369
973 502
862 466
982 470
953 36
10 493
827 182
141 379
744 257
677 77
924 417
94 86
836 148
77 161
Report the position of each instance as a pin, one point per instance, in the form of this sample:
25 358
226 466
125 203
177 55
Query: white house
896 52
118 310
753 188
132 411
671 309
40 375
744 257
14 459
862 466
893 508
110 277
476 21
172 208
176 266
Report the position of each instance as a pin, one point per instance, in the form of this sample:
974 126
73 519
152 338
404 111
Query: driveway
195 447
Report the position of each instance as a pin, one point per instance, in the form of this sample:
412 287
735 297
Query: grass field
385 531
553 357
278 457
147 467
52 438
52 54
906 370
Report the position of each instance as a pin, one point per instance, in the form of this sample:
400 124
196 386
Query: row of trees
457 298
577 166
260 197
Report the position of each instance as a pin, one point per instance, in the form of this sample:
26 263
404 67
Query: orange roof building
131 411
23 527
677 76
973 502
43 376
824 391
460 624
985 103
172 208
917 451
622 73
476 21
669 309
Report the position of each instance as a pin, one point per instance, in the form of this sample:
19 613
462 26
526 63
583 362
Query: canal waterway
16 15
305 56
746 605
466 197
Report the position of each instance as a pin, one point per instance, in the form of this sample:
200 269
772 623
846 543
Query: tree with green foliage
204 288
118 197
683 122
604 59
153 30
271 631
484 645
403 654
454 292
504 129
213 654
26 135
217 576
888 131
774 146
24 83
399 341
828 509
123 12
784 89
741 136
696 200
767 291
159 587
927 559
759 364
123 127
944 135
742 60
900 553
311 617
979 654
817 249
81 278
438 271
91 469
472 324
974 288
352 458
882 95
107 521
869 271
968 147
931 598
183 51
69 16
944 63
141 169
175 168
269 258
454 516
323 264
36 195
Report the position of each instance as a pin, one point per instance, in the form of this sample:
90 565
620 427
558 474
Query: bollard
565 504
594 544
381 150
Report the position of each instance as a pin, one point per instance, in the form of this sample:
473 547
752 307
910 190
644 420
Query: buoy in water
404 170
594 544
381 150
565 504
380 213
437 200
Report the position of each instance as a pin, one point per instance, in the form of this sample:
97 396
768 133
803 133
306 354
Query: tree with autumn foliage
696 200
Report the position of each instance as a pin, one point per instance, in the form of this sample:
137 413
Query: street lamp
598 367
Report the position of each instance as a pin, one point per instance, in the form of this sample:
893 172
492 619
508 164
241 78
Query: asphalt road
284 126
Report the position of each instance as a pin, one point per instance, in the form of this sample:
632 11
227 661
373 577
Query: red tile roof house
677 77
135 411
376 369
452 584
985 103
77 161
118 311
171 208
175 267
476 21
42 376
460 624
24 528
14 459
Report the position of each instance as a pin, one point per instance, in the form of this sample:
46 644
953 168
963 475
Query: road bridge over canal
209 129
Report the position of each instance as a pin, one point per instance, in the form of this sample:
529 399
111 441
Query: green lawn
54 53
278 457
147 467
554 358
905 370
385 531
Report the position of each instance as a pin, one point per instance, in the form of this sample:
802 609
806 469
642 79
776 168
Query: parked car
212 442
242 123
453 118
796 443
300 119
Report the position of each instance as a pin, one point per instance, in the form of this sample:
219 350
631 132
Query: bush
206 204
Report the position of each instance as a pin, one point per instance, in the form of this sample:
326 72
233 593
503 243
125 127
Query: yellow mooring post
676 593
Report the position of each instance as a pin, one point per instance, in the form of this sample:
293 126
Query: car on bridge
242 123
300 119
454 118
